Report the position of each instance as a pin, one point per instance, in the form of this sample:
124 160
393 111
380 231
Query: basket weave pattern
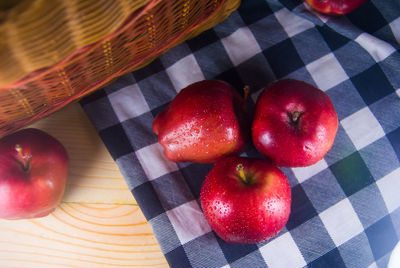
147 30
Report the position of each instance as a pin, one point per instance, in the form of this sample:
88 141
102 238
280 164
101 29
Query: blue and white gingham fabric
345 208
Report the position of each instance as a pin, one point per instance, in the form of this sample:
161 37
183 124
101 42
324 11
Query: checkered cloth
346 208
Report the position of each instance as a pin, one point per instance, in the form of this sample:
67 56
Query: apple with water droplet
246 200
294 123
205 122
33 174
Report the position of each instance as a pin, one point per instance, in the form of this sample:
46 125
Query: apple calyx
295 118
24 160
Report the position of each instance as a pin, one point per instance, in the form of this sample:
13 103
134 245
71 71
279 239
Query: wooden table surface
98 224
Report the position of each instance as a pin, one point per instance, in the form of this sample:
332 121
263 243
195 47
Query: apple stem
246 91
239 168
25 159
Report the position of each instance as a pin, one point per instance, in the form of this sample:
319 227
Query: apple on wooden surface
245 200
204 122
335 7
33 173
295 123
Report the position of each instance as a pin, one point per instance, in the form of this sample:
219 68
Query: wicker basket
53 52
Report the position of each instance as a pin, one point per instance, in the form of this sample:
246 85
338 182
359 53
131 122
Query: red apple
245 200
335 7
33 173
204 122
295 123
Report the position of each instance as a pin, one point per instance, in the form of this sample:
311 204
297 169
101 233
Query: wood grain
93 176
81 235
98 224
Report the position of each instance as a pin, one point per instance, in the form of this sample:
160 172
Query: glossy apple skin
246 213
288 143
204 122
35 191
335 7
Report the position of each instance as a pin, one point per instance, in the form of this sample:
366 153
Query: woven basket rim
76 55
13 23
